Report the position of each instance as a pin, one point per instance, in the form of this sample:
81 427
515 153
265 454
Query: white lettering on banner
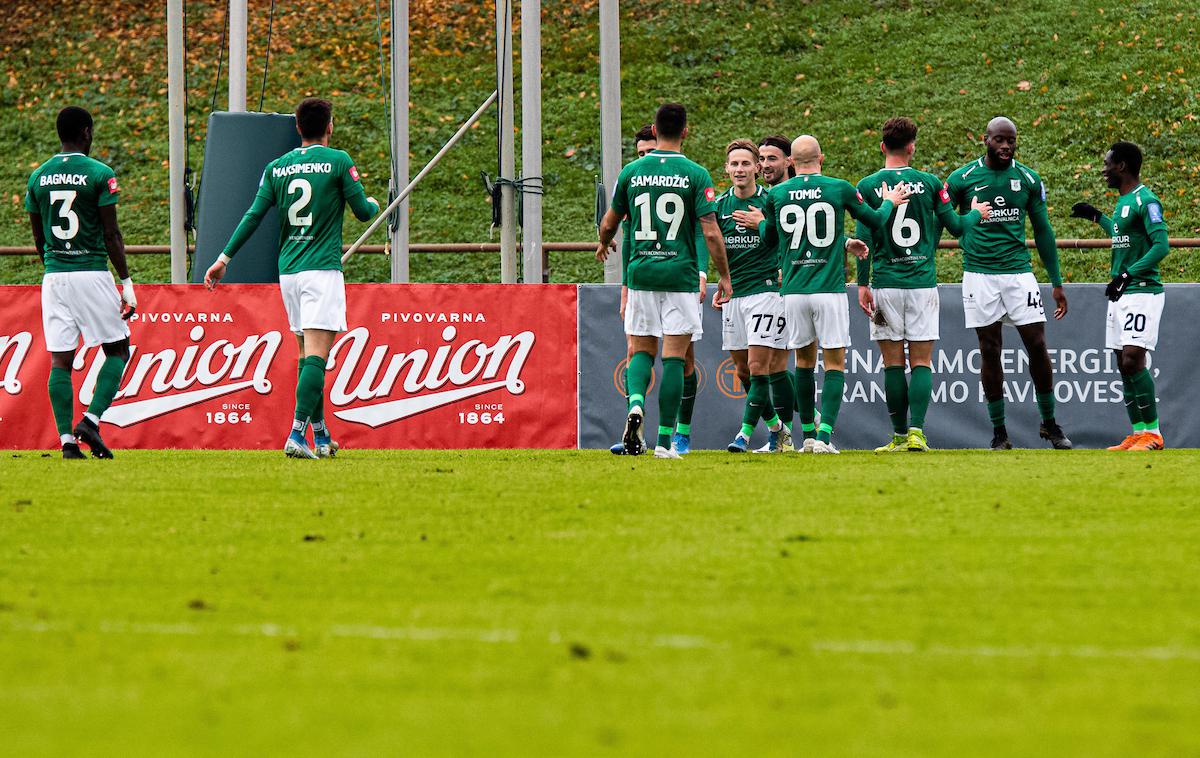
220 368
15 348
458 366
432 318
183 318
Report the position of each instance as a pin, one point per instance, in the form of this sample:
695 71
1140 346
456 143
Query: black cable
220 59
267 63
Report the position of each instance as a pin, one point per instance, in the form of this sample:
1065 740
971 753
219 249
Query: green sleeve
620 195
766 227
352 190
106 190
953 191
364 209
863 232
863 269
1152 217
30 205
1105 223
706 196
875 218
1047 246
944 207
626 248
254 216
701 250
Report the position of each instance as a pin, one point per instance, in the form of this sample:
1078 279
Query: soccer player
72 205
1139 242
776 153
998 283
902 299
311 187
805 223
664 194
753 329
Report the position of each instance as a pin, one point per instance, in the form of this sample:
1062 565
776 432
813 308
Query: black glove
1086 210
1117 286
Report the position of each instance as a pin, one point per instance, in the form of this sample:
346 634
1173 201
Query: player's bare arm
39 237
608 231
716 253
114 242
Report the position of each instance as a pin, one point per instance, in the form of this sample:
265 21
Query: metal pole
508 157
399 234
176 140
531 137
237 55
610 113
421 175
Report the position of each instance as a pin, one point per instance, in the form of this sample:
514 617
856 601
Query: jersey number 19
669 210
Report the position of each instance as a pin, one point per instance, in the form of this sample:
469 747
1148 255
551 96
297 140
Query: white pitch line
670 641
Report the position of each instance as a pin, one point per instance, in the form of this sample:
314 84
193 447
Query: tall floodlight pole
531 137
176 137
508 158
610 112
399 115
237 55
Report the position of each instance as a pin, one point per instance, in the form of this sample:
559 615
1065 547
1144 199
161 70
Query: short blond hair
743 144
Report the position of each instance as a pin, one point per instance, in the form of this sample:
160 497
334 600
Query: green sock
684 429
758 401
806 398
668 399
831 402
747 430
309 390
1143 387
783 397
1131 406
895 391
920 391
996 411
687 402
637 378
1045 404
108 380
62 399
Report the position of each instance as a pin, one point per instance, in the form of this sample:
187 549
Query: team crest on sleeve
944 195
354 172
1154 212
710 194
112 185
858 195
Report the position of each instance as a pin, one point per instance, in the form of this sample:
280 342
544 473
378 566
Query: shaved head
1001 124
806 151
1001 142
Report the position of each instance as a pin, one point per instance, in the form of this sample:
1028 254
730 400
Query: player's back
809 217
309 186
67 191
664 194
903 252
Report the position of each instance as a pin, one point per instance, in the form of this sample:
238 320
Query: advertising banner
422 366
1087 385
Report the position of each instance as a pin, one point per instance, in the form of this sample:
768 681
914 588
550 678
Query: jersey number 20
295 209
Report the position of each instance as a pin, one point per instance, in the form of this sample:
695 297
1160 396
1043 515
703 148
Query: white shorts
907 314
824 317
81 303
655 314
1133 320
696 335
1009 298
314 300
754 320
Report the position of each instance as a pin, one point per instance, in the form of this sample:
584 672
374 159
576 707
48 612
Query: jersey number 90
795 219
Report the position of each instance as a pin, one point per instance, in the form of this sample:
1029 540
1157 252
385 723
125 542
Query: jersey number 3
66 198
295 209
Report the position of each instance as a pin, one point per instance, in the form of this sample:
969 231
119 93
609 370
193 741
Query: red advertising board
422 366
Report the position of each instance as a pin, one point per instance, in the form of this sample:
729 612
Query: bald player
998 282
805 222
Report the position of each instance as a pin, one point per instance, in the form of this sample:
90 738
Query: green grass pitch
529 603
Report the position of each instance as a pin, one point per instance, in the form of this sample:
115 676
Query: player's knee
1130 361
119 349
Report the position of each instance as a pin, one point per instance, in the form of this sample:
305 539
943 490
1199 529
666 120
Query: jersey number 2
66 197
296 208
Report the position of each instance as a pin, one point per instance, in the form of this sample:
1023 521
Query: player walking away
664 194
902 299
753 328
1139 242
998 282
805 222
72 205
644 141
310 186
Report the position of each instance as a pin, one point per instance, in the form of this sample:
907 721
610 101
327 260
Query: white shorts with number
824 317
655 314
1133 320
81 303
1010 298
314 300
754 320
908 314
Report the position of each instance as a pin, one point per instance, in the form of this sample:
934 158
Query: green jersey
997 245
904 250
627 247
753 267
311 187
664 195
805 225
1139 238
68 191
